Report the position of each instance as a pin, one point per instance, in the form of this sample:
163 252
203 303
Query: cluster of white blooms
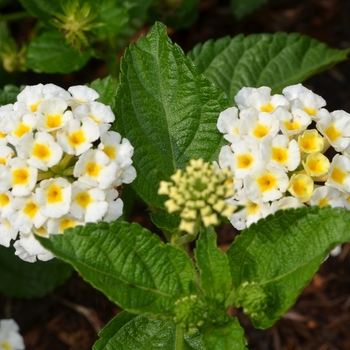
59 165
199 194
10 339
277 148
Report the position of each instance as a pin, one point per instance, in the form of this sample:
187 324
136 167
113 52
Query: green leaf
41 9
20 279
127 263
282 253
274 60
164 220
9 94
128 332
115 18
167 111
213 266
49 53
242 8
106 88
226 336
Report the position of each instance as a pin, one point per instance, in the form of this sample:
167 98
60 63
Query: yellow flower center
31 209
6 346
332 133
266 182
267 108
244 161
111 152
260 131
20 176
77 138
21 130
34 107
323 202
338 176
83 199
279 155
41 151
4 200
93 169
53 121
252 208
310 111
294 125
311 141
54 194
66 223
2 136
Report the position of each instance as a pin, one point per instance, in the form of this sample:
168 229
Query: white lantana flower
260 99
53 114
281 152
336 128
94 168
294 122
228 124
326 195
88 203
10 338
77 136
50 141
254 126
54 197
265 183
40 150
29 249
101 114
286 203
26 214
339 173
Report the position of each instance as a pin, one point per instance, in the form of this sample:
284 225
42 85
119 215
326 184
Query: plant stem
179 337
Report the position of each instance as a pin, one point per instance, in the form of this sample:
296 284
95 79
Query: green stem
179 337
14 16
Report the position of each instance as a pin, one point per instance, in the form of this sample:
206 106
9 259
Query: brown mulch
71 317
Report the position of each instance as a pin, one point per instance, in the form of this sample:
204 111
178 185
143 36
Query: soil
71 316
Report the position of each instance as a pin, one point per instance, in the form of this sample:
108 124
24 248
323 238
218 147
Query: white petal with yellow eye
77 136
94 168
88 203
54 197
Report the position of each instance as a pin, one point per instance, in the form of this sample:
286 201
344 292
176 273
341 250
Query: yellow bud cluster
199 194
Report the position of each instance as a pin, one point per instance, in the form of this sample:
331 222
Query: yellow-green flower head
199 194
189 311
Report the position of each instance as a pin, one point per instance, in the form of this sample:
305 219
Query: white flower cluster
276 152
59 165
10 339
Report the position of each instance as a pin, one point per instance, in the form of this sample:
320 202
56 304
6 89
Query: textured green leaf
282 253
226 336
242 8
106 88
9 94
213 266
49 53
164 220
21 279
127 263
274 60
128 332
115 18
166 109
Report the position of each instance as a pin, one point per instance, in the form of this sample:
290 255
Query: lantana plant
202 139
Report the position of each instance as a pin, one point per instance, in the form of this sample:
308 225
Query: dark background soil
71 317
